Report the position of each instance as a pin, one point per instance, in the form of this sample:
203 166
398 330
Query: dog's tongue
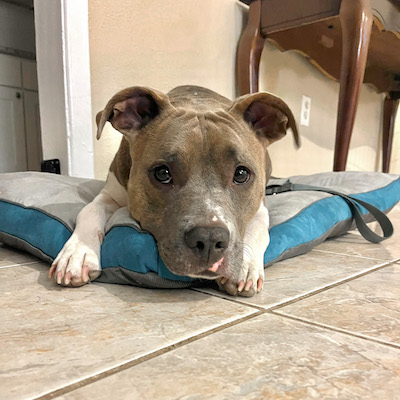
216 265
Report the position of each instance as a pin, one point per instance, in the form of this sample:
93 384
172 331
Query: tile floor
326 326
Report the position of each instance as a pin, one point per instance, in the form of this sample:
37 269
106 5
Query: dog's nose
208 243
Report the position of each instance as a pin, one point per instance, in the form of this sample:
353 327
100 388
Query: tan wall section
395 161
290 75
161 44
166 43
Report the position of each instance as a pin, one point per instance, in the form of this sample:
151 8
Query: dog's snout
208 243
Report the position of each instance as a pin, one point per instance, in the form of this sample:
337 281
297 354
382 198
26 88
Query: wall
395 160
161 44
17 29
290 75
165 43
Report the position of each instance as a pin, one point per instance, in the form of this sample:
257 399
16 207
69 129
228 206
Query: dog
192 168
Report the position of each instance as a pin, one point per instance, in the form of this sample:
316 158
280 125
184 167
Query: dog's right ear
131 109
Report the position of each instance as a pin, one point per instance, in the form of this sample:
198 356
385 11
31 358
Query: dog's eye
242 175
162 174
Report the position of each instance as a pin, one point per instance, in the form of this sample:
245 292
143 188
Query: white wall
17 30
77 83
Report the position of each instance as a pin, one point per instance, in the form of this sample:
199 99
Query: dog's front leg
79 260
256 240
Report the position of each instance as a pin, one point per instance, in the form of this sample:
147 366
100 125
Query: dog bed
38 212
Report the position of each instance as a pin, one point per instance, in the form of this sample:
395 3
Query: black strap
354 203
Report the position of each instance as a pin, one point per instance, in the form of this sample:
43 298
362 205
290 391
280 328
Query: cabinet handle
18 95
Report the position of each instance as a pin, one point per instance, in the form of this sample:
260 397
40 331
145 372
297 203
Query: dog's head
199 170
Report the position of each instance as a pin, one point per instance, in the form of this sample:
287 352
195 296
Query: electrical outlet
305 111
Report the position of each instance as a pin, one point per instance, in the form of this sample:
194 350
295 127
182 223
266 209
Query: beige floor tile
298 276
52 336
353 243
369 305
9 257
266 357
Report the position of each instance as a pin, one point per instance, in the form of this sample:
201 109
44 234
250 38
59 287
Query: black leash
354 203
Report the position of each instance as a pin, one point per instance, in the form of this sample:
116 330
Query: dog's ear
131 109
267 114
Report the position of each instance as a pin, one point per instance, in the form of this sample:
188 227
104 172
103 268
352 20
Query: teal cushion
38 212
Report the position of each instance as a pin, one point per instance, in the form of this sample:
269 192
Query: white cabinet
12 131
10 71
20 144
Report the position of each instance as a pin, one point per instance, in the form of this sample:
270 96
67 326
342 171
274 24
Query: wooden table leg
389 116
249 51
356 21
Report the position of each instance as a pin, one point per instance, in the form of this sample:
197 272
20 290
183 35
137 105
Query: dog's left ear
268 115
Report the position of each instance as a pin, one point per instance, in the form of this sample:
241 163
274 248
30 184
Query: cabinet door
32 129
10 71
12 132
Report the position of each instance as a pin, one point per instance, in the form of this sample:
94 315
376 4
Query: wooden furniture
353 41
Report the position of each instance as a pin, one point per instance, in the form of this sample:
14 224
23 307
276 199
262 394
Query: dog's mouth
196 270
183 261
216 265
213 272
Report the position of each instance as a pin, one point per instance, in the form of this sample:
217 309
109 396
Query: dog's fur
208 214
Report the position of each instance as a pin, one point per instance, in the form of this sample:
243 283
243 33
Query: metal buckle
275 189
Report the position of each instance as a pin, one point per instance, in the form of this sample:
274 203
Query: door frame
63 66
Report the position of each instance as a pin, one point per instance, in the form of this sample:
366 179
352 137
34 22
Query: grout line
355 255
301 296
335 329
329 286
20 265
233 299
129 364
260 311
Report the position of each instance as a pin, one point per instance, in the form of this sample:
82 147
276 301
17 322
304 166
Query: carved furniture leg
249 51
389 116
356 21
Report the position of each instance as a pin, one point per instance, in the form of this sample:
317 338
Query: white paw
250 280
77 263
251 276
